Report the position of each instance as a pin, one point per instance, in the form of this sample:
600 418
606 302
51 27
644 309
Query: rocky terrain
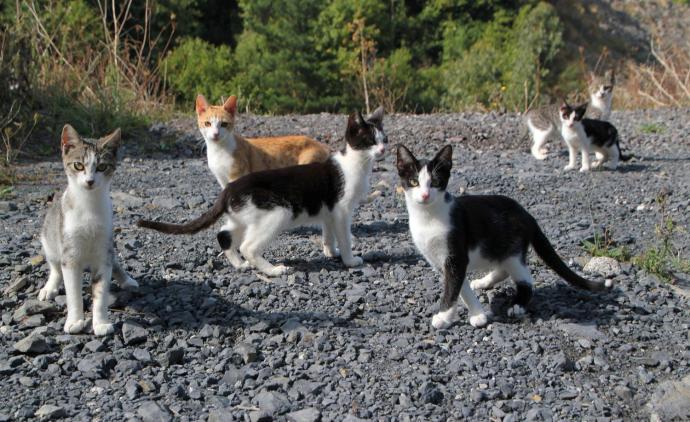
201 341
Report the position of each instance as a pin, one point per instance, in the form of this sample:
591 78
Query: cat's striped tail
543 248
205 221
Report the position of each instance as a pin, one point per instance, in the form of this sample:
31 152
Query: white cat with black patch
261 205
473 233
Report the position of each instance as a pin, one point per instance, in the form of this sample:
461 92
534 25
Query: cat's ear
201 104
111 141
230 105
444 156
354 122
581 109
360 119
404 159
69 138
376 116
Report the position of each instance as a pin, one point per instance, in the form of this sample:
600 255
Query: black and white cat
261 205
471 233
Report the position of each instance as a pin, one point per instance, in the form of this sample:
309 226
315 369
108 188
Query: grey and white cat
261 205
545 122
78 230
473 233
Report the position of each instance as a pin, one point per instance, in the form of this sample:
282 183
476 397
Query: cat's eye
78 166
435 183
224 124
413 182
102 167
207 124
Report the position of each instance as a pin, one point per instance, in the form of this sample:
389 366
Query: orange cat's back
292 149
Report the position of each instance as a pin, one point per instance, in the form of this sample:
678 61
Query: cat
601 96
544 122
473 232
605 142
78 230
260 205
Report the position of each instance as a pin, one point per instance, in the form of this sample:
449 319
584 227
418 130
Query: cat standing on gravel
473 232
261 205
544 122
78 230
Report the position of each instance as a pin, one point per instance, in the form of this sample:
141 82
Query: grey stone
132 389
310 414
247 352
32 307
126 200
603 265
173 357
32 344
133 333
586 330
96 365
671 401
430 393
150 411
16 286
272 402
142 355
94 346
221 415
49 411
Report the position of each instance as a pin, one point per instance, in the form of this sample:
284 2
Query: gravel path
201 341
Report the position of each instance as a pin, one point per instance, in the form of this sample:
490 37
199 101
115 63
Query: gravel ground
201 341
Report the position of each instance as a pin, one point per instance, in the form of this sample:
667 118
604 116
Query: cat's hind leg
489 280
328 234
524 283
614 156
229 239
539 138
101 293
52 286
257 237
342 225
600 159
124 280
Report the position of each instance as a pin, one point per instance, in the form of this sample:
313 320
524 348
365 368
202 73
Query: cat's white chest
89 223
220 161
430 236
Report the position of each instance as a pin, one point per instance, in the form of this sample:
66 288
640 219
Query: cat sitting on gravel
473 232
261 205
544 122
78 230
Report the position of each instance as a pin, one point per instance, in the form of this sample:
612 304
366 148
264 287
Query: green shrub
197 67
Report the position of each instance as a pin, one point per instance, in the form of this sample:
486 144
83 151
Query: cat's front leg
342 232
586 161
75 322
101 292
572 156
453 277
52 287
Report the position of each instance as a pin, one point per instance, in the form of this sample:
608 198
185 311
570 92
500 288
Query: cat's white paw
354 262
584 169
129 284
478 284
75 327
331 252
516 311
103 329
540 154
568 167
441 320
278 270
479 320
597 163
46 293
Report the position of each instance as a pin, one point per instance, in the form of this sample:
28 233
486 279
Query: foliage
603 245
651 128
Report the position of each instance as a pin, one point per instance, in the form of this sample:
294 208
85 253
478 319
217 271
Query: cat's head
215 122
424 182
89 163
570 115
601 87
364 135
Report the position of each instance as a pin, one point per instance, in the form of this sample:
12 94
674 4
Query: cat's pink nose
425 196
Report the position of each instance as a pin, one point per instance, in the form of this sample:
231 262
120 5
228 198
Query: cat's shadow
561 301
184 304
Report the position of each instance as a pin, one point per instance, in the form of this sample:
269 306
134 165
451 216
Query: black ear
445 156
404 159
581 110
376 116
352 125
360 119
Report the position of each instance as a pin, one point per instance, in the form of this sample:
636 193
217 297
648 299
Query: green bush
197 67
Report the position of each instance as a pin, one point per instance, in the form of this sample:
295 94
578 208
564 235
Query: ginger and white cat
78 230
231 156
262 204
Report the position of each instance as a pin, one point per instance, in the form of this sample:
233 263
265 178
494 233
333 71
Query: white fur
220 145
252 229
539 138
573 134
601 102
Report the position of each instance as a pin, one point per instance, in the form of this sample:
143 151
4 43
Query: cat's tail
620 152
543 248
206 220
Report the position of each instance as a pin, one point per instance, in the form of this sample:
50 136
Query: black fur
496 225
224 239
303 189
603 134
580 110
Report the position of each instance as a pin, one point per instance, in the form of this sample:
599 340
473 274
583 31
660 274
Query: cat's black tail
620 152
206 220
543 248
